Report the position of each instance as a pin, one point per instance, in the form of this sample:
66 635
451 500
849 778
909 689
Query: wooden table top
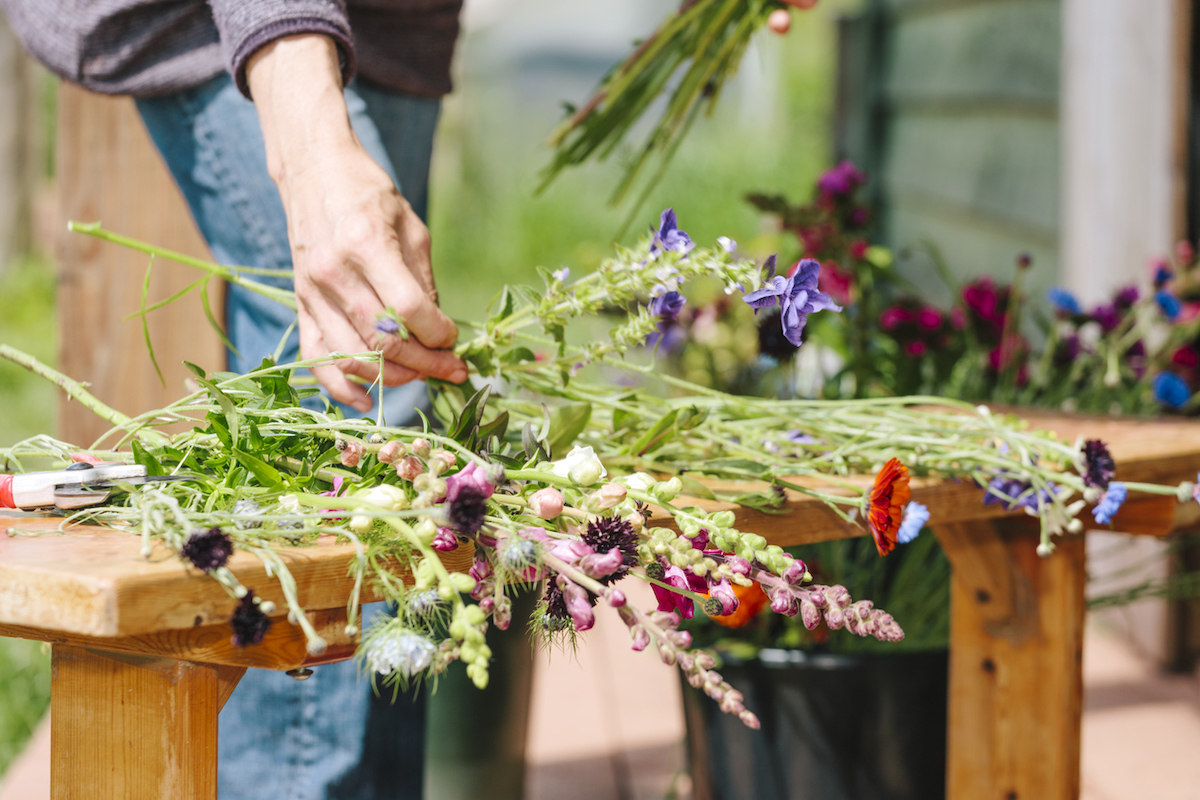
93 581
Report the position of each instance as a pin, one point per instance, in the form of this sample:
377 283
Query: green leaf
266 474
566 423
694 488
518 355
738 467
227 406
468 420
659 433
767 502
146 324
197 371
142 456
497 427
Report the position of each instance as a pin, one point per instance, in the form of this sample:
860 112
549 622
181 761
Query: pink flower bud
809 614
390 452
667 654
352 454
723 592
749 720
705 660
409 468
578 605
502 614
616 598
481 568
641 637
795 572
444 541
421 447
487 605
546 503
600 565
610 495
784 602
739 565
681 639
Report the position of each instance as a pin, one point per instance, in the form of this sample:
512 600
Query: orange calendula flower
751 600
888 497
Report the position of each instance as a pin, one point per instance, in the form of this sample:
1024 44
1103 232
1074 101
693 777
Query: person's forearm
296 83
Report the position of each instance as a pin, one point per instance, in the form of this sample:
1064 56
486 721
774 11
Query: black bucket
862 727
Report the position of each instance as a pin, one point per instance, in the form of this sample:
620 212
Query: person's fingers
340 336
416 356
340 387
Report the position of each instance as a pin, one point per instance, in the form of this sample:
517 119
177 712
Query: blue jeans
327 738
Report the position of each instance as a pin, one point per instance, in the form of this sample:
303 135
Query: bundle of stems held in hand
560 481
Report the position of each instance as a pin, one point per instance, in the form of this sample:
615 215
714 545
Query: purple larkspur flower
915 518
668 237
387 326
798 297
1112 499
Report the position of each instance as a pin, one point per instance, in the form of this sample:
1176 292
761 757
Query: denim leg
327 738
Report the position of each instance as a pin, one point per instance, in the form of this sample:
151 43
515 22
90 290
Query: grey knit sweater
149 47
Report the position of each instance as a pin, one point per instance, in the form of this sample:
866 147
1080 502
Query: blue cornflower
1110 501
915 517
1171 390
798 295
1162 275
668 237
1064 301
1169 304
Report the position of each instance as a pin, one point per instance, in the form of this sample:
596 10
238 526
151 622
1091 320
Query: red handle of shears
6 496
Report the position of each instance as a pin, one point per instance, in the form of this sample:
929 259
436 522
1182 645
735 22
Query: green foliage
24 694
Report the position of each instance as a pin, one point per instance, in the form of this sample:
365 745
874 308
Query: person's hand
358 249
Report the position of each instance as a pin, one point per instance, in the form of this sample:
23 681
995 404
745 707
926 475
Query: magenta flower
840 180
579 605
473 476
673 601
723 593
444 541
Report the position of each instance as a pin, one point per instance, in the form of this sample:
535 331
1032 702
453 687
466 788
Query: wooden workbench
142 659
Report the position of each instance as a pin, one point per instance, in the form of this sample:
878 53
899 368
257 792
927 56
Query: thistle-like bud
655 570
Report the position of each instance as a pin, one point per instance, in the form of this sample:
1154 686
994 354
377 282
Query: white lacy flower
408 652
580 465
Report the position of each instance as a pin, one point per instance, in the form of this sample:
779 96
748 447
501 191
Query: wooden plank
1001 51
109 171
227 680
1016 681
132 727
93 582
283 648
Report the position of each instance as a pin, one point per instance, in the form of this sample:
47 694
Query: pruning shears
77 486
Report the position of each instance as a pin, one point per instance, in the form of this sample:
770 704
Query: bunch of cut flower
562 482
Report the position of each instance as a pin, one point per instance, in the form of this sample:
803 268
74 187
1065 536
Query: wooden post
110 172
1016 660
132 727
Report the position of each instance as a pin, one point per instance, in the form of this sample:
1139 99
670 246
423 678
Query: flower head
1111 500
667 306
751 600
581 465
798 297
249 623
915 518
1168 303
444 541
407 652
207 549
1163 274
1099 466
471 476
1171 390
886 502
840 180
547 503
671 601
668 237
468 509
604 533
1064 302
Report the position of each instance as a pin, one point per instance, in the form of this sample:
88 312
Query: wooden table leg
1016 658
132 727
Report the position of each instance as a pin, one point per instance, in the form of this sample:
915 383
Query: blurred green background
771 132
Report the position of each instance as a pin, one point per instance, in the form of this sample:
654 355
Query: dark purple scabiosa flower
1099 466
668 237
249 623
603 534
1125 298
797 295
207 549
1171 390
772 342
557 618
467 511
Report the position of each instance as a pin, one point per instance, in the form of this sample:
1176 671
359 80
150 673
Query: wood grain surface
132 727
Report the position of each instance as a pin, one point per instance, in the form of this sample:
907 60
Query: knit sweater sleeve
247 25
